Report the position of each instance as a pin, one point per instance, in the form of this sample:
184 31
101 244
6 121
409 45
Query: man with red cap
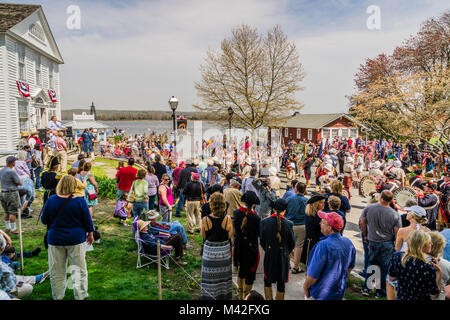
330 261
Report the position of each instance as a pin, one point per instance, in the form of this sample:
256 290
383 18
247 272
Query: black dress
313 235
49 182
276 257
246 247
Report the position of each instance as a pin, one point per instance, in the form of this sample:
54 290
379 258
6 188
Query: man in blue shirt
330 261
291 191
295 212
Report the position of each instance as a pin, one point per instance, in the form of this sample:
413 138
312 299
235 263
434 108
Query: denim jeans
37 173
180 204
137 208
380 254
176 227
29 186
151 202
366 254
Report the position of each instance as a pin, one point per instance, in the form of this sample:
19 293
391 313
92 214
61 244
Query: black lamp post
173 102
230 116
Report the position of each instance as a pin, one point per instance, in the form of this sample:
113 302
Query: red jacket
126 177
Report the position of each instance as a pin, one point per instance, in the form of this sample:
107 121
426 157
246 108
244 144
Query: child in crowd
334 203
10 256
81 185
121 211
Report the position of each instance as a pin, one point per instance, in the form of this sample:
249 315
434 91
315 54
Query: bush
106 187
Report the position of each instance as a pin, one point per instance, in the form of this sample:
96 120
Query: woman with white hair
24 174
275 182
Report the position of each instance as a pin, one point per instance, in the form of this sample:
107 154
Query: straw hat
142 224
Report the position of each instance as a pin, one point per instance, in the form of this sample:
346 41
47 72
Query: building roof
12 14
81 125
312 121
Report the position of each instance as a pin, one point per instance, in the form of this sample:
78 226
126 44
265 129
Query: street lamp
173 102
230 116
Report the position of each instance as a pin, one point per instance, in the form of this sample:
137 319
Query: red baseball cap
333 218
195 176
181 163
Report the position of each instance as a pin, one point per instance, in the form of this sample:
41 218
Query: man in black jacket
185 178
193 193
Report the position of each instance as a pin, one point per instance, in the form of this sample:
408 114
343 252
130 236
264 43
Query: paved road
294 288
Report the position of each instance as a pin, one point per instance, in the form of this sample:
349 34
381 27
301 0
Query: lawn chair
165 254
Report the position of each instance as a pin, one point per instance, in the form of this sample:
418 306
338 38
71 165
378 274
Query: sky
136 54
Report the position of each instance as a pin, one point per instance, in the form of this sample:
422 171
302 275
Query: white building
29 59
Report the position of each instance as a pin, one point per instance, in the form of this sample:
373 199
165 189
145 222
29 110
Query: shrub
106 187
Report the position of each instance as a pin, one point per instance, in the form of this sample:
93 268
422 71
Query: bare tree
257 76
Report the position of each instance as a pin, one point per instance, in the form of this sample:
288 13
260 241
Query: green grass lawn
112 264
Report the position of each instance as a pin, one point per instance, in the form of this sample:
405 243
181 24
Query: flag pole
20 234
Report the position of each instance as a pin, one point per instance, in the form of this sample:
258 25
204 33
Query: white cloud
137 56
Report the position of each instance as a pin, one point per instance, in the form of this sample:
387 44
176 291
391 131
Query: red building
315 127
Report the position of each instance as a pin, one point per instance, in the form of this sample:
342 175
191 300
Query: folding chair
142 256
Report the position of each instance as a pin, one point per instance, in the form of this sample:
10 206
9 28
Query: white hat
248 161
350 159
417 210
376 164
397 164
210 162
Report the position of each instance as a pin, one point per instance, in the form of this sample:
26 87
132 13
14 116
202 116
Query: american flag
24 88
52 95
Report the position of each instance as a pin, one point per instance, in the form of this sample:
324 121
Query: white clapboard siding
13 94
44 73
3 100
58 91
29 62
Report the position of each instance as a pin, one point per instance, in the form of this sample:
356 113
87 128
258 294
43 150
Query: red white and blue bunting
24 88
52 95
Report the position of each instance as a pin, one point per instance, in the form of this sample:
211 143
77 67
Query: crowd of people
238 208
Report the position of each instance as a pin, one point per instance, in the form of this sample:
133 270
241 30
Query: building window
51 79
326 133
344 133
334 133
22 69
299 133
23 116
50 114
354 132
286 132
38 70
309 134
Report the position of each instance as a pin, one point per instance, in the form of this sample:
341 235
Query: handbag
92 195
131 196
54 217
